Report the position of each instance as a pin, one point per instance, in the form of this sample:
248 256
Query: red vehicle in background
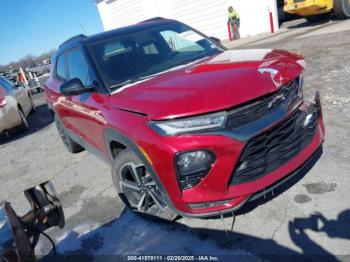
189 128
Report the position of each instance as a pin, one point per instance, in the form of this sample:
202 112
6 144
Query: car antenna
83 29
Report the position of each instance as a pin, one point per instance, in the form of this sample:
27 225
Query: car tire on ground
71 146
24 122
137 189
342 8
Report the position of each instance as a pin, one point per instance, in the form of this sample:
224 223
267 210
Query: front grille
287 96
268 151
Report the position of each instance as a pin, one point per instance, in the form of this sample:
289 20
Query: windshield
129 58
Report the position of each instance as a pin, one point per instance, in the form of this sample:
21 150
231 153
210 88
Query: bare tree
27 61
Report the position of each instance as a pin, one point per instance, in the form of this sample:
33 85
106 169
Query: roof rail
74 38
153 19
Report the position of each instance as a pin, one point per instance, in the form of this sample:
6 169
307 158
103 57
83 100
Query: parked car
188 127
15 105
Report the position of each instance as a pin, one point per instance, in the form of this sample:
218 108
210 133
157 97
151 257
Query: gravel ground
311 218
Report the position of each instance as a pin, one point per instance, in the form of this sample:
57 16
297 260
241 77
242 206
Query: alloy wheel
141 190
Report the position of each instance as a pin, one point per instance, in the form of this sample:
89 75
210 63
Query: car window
78 68
61 67
115 48
129 57
184 41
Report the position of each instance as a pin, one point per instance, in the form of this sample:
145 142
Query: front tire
342 8
71 146
137 189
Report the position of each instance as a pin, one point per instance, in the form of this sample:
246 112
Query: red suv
189 127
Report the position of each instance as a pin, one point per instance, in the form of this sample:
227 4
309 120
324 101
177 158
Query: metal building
208 16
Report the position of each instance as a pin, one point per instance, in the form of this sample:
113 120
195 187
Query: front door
85 116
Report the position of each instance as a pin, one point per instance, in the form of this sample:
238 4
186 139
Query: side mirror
215 39
74 87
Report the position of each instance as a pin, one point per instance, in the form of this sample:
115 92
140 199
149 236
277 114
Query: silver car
15 105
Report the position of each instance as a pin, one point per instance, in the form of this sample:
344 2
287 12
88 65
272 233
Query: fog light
193 166
209 204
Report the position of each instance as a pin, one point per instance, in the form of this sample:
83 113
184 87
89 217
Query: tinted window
61 67
78 68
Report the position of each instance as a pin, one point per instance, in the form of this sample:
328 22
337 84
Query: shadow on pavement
311 24
338 228
132 235
38 120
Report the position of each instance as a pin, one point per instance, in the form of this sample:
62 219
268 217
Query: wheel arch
116 141
114 136
115 148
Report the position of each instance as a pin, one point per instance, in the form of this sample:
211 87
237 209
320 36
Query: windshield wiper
124 83
133 80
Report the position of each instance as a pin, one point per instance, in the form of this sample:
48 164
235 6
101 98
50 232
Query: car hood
216 83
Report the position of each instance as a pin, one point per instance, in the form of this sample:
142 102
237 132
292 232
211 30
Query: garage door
125 12
208 16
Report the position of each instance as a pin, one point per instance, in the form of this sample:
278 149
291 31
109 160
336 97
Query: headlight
193 166
300 86
189 125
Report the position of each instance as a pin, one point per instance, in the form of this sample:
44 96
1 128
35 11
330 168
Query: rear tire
138 190
71 146
342 8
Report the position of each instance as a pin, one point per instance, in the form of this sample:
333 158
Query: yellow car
15 105
314 10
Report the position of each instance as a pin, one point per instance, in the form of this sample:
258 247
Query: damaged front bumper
238 195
